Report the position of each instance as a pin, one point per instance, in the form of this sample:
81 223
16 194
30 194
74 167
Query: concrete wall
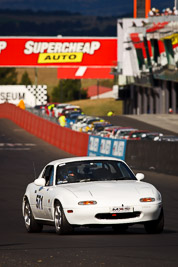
153 155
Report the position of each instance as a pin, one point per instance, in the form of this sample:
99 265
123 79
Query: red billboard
56 52
84 72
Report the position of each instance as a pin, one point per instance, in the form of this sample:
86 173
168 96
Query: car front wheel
30 223
61 224
157 226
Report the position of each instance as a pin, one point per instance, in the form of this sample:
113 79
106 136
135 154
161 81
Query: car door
48 192
42 194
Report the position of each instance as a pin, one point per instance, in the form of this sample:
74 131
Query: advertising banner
32 95
83 72
56 52
174 41
100 146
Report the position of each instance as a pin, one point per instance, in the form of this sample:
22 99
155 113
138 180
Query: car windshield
125 133
93 170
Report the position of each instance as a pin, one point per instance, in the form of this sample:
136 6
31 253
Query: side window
61 174
49 175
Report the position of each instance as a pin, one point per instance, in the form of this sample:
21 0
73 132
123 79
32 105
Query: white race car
91 191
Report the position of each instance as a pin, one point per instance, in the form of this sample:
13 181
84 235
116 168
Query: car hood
112 190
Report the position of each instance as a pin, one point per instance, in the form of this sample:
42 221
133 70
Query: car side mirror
40 182
140 176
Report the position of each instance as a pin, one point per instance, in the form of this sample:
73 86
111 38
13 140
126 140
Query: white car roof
71 106
62 105
74 159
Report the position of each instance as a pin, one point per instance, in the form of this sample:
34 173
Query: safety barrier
159 156
100 146
156 156
141 155
70 141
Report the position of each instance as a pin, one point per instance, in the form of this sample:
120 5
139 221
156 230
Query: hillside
30 23
86 7
100 107
48 76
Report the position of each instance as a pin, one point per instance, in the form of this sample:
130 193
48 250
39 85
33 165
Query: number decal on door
39 202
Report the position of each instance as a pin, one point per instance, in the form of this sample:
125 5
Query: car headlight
147 199
87 202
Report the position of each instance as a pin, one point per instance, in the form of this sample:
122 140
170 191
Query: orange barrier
70 141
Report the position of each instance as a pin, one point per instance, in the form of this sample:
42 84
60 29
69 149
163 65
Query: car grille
115 216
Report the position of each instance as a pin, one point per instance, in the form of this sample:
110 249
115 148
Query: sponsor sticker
121 209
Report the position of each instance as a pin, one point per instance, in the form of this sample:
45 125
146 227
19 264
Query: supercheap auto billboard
55 52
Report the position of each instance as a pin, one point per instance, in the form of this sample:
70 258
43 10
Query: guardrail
70 141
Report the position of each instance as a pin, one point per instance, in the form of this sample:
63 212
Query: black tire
62 226
120 228
157 226
30 223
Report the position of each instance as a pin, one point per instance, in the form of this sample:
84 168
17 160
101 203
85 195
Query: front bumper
86 215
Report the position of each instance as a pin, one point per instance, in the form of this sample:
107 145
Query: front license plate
121 209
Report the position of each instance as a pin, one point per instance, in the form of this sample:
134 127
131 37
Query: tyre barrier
65 139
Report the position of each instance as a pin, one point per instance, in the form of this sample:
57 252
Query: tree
68 90
8 76
25 80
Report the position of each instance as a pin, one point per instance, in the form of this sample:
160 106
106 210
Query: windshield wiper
85 180
62 182
120 179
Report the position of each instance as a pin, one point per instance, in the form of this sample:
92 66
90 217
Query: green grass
100 107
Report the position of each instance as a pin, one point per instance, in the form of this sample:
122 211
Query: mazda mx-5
91 191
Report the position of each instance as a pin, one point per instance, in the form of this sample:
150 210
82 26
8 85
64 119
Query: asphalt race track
21 156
